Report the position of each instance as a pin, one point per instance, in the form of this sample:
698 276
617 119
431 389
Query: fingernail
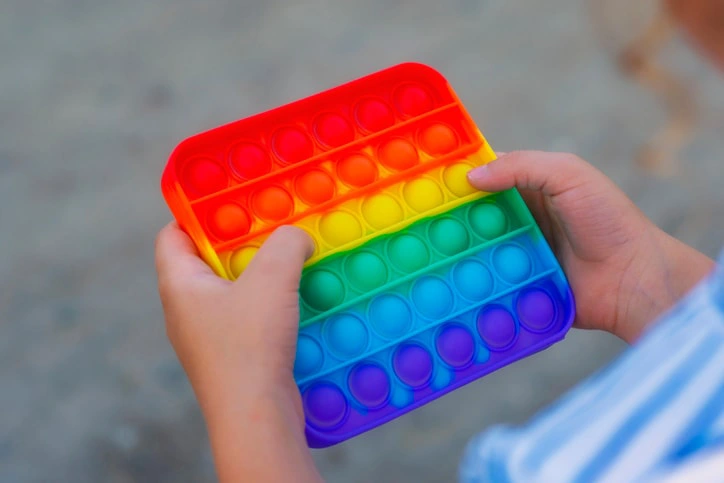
478 173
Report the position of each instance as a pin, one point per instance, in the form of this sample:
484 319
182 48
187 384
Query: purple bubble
325 406
497 327
455 345
413 365
369 385
536 310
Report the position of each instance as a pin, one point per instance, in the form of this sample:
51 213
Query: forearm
258 438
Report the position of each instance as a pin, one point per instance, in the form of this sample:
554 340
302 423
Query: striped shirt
655 415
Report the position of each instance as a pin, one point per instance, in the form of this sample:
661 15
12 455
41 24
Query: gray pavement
95 94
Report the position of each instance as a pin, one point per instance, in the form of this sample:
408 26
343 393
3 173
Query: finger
549 173
279 262
176 255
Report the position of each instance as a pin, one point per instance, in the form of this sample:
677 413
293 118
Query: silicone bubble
204 176
249 161
369 384
292 145
496 327
398 154
382 211
273 204
315 187
487 220
432 297
333 130
448 236
366 271
455 345
473 280
412 100
456 179
438 139
407 253
339 227
512 263
229 221
357 170
422 195
413 365
536 309
390 316
374 115
322 289
345 335
309 357
325 406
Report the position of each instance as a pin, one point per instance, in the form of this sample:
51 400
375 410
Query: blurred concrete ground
94 94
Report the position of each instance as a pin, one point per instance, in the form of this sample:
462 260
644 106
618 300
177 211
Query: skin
236 340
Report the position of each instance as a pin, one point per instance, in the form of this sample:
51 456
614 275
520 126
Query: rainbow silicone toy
419 284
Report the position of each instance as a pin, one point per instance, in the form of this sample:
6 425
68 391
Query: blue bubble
309 356
473 280
390 316
512 263
432 297
345 335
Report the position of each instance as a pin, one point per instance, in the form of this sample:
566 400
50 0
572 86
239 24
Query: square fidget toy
419 284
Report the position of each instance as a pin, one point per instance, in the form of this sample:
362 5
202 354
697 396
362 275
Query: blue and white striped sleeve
651 413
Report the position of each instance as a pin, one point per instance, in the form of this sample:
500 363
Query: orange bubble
438 139
292 145
357 170
398 154
315 187
273 204
229 221
333 130
204 176
374 115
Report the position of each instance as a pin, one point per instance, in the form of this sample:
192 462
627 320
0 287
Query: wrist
663 272
256 435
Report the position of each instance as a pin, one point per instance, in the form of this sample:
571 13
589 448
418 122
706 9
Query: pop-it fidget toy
419 284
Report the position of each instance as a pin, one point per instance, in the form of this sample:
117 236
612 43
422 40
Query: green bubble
408 253
487 220
322 290
448 236
366 271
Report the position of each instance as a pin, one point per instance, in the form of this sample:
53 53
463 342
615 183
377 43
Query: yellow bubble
241 259
382 211
339 227
456 179
423 195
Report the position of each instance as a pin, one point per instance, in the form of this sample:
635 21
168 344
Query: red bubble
292 145
203 176
374 115
333 130
412 100
249 161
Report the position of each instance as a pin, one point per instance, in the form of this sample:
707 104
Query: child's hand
624 271
236 342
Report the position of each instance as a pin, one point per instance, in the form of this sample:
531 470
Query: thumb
279 262
549 173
